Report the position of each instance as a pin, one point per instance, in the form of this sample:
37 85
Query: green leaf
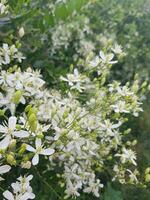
112 194
61 12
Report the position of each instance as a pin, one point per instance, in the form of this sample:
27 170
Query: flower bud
128 143
144 84
41 136
18 127
147 178
18 44
147 171
34 110
134 142
26 165
10 159
65 114
32 118
12 145
2 112
27 109
17 96
33 126
22 148
21 32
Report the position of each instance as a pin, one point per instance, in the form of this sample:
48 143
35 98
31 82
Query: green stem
48 185
2 189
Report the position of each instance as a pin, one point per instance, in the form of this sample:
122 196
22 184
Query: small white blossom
39 150
120 107
9 132
107 58
117 49
9 53
74 80
127 156
21 189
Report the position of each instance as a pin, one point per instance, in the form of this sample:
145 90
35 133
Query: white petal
4 169
63 78
45 128
27 196
29 178
12 122
3 129
35 159
38 143
47 152
102 55
15 186
32 196
110 56
5 142
23 100
18 85
30 148
76 72
8 195
21 134
1 179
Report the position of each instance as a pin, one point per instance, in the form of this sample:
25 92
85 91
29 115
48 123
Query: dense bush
66 129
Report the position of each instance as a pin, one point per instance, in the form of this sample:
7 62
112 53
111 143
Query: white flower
95 62
19 56
4 169
94 187
6 53
74 80
120 107
9 53
127 156
72 189
124 91
10 132
26 165
108 126
107 58
117 49
21 189
39 150
132 176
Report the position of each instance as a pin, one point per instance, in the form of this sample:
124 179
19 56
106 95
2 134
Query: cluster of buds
32 117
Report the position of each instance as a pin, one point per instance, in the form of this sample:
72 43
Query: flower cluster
21 189
9 53
78 128
63 33
80 135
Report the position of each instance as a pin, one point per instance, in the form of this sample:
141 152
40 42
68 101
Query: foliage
126 22
110 193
